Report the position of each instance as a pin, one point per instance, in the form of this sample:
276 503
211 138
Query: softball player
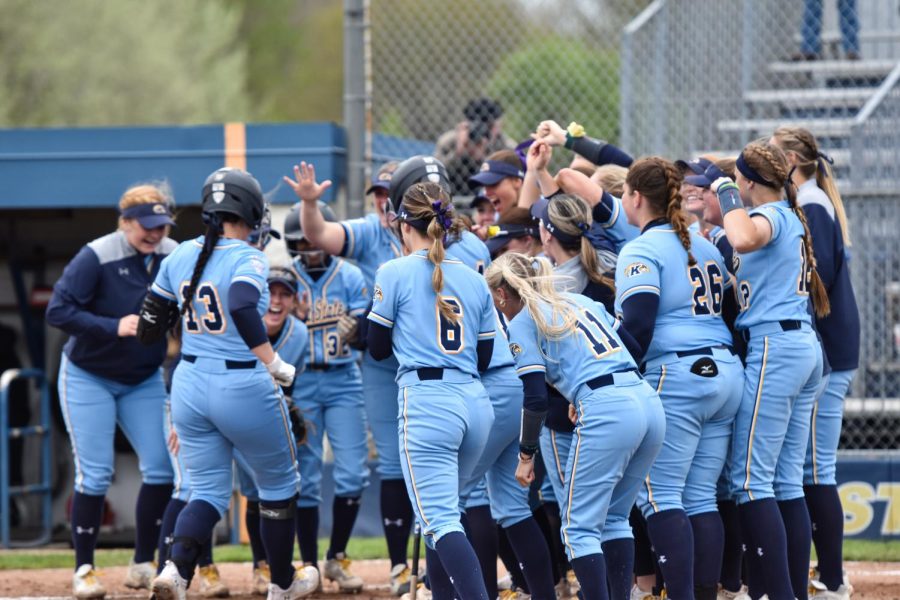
227 361
614 448
445 414
821 202
670 287
775 275
329 393
106 378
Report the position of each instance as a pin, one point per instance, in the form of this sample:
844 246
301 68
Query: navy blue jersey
840 329
106 281
232 261
773 281
403 300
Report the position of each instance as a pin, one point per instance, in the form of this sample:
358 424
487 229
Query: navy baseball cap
705 179
283 276
479 198
538 208
696 166
381 180
150 216
493 172
500 235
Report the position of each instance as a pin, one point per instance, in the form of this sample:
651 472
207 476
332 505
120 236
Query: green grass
359 548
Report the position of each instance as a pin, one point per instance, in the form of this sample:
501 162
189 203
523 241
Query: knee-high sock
251 521
481 530
510 560
193 527
167 529
548 518
619 557
87 514
307 523
732 548
799 539
673 540
396 517
437 578
461 564
827 518
709 537
343 510
763 531
533 556
278 538
591 573
149 509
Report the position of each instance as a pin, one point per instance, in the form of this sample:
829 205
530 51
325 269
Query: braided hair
770 162
427 207
210 239
659 181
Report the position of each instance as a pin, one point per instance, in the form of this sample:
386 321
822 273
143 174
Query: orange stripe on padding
236 145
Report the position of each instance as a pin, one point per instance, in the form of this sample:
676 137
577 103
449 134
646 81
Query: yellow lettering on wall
890 493
856 498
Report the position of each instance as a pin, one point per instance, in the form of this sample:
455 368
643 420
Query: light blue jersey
209 311
405 301
292 343
470 251
690 297
592 350
370 245
762 274
617 228
340 290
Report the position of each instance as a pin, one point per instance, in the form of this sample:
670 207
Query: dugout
60 190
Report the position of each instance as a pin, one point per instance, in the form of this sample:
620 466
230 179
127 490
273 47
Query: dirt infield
870 580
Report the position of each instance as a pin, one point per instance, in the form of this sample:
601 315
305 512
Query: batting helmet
293 229
413 170
235 192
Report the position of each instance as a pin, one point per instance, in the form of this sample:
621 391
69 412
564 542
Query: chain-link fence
677 78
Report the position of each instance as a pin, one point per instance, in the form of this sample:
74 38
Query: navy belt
786 325
608 379
229 364
430 373
321 367
703 351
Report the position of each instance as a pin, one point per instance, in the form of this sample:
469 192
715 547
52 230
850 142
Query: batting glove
282 372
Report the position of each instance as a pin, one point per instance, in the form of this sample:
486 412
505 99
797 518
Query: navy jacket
840 329
106 281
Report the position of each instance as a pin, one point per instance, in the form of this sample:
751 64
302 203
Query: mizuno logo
271 514
706 370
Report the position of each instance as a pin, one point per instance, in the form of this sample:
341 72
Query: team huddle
625 378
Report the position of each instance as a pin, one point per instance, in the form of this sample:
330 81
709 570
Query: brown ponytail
770 162
659 181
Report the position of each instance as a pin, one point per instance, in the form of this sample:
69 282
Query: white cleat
337 569
572 581
741 594
140 575
422 593
638 594
262 577
504 583
513 593
818 591
169 584
306 582
211 584
400 579
86 584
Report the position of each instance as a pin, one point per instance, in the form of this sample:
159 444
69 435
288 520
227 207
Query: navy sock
343 512
396 516
644 562
753 575
251 522
709 537
591 573
166 530
732 549
510 560
827 519
619 558
461 564
307 521
763 531
799 539
278 539
87 514
148 515
550 512
193 527
673 540
534 558
438 581
481 530
204 559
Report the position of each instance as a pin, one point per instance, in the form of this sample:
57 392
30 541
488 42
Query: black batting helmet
413 170
293 230
236 192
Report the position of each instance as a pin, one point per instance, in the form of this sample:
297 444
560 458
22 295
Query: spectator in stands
811 30
465 147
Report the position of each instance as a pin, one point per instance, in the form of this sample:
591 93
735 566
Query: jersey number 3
212 319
